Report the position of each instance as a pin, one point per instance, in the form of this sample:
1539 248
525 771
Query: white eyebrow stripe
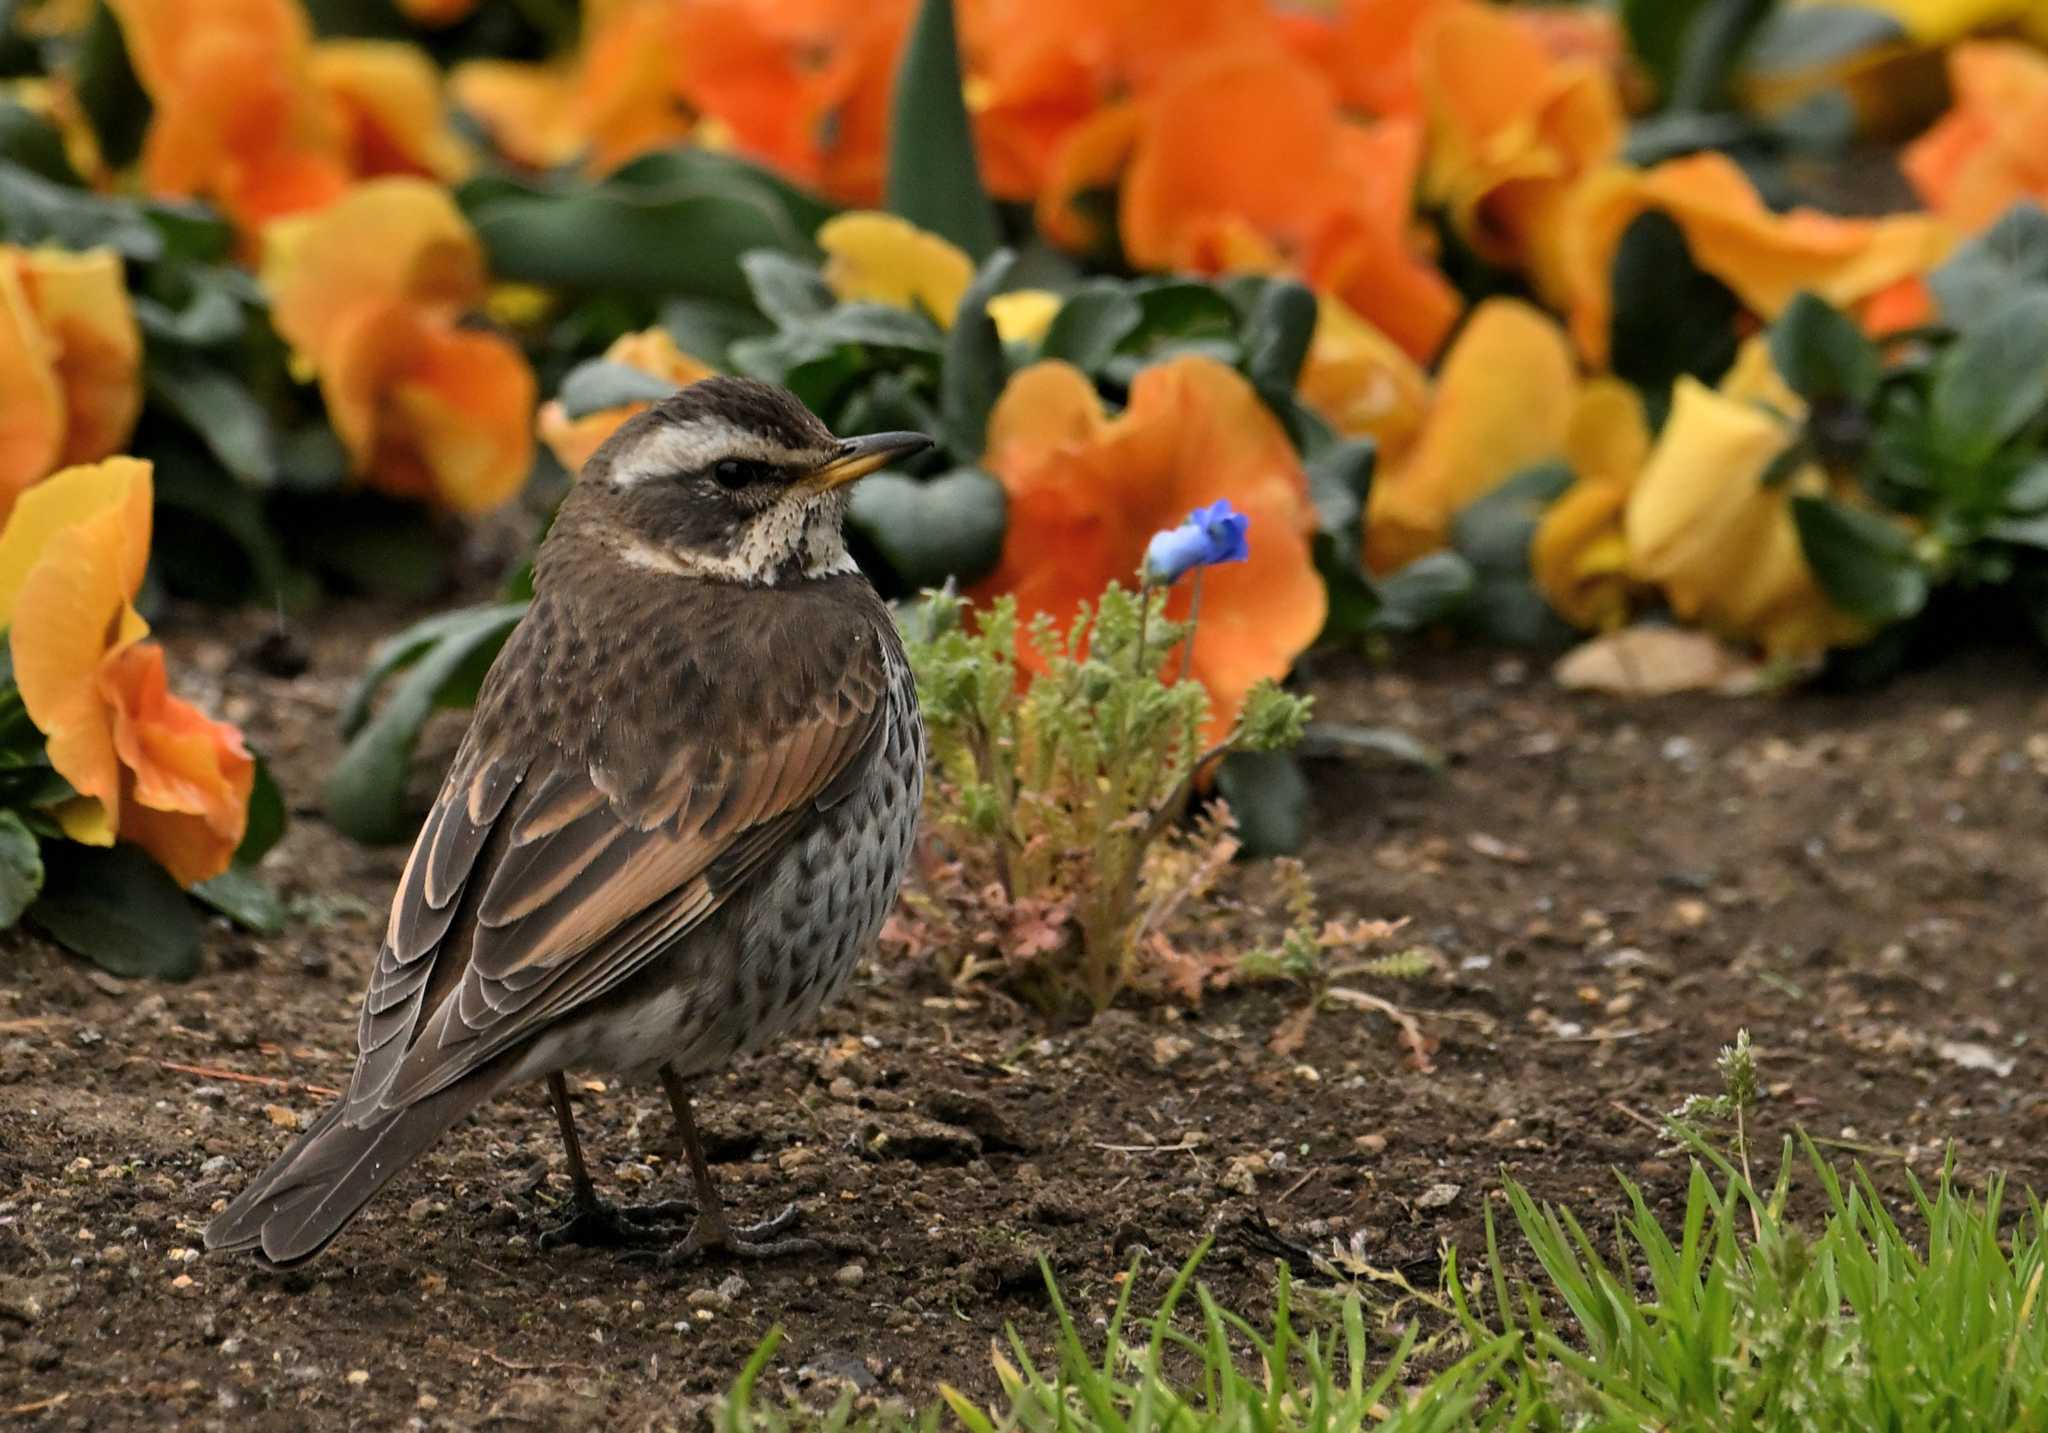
676 448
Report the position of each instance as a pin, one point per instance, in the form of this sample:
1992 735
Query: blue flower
1211 535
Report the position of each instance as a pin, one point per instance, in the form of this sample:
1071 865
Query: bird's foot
597 1224
749 1241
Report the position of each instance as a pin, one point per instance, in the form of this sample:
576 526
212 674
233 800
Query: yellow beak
860 456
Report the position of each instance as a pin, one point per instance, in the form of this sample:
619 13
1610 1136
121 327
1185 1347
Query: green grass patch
1744 1318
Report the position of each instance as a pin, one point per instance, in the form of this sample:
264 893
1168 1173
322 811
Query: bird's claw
597 1224
751 1241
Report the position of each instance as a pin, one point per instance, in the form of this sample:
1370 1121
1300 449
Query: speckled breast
814 913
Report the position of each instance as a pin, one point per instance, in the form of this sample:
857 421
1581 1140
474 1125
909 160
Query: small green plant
1154 1376
1059 857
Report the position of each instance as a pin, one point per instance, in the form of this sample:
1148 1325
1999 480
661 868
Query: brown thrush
680 814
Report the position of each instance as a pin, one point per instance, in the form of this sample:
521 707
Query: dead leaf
1657 662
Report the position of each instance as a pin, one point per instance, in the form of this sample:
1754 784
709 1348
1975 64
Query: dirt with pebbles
1612 890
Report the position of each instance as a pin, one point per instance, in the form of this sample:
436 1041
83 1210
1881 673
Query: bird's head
730 480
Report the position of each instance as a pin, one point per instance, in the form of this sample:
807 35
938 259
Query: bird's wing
541 879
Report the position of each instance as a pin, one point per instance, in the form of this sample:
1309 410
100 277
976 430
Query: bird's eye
735 472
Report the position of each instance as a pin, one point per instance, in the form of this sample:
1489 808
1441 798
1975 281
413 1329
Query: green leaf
1712 48
601 383
215 539
401 650
2025 531
266 823
1493 531
698 170
244 898
1993 381
2028 491
1427 591
366 791
1823 354
219 409
35 211
1863 562
1670 318
706 328
1986 273
789 291
1181 311
879 326
627 240
1269 796
35 144
108 90
1276 335
1091 325
210 315
119 909
948 526
1352 742
934 179
1339 479
1808 38
21 869
975 366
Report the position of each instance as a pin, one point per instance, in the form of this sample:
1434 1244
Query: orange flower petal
528 110
1362 381
1090 160
70 608
1251 138
1095 489
189 776
82 302
399 239
32 416
1766 258
1503 401
651 351
1986 153
388 97
464 408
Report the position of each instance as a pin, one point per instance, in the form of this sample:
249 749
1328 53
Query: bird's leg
593 1222
712 1229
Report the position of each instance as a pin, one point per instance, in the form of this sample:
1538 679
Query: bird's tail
290 1211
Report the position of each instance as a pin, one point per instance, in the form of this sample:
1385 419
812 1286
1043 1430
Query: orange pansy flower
573 440
1767 258
70 363
1094 489
614 100
1512 131
1503 402
1702 526
1986 153
147 765
1242 162
237 117
801 85
386 99
1038 70
368 294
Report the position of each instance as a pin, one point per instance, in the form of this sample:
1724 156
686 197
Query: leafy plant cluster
1938 444
113 905
1057 861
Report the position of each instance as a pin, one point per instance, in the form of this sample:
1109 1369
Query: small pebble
708 1299
732 1286
217 1166
357 1377
850 1276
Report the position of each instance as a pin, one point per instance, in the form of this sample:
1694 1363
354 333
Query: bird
679 816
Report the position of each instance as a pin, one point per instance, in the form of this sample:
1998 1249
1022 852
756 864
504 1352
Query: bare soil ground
1613 888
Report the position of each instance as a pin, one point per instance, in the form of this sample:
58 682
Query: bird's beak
858 457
